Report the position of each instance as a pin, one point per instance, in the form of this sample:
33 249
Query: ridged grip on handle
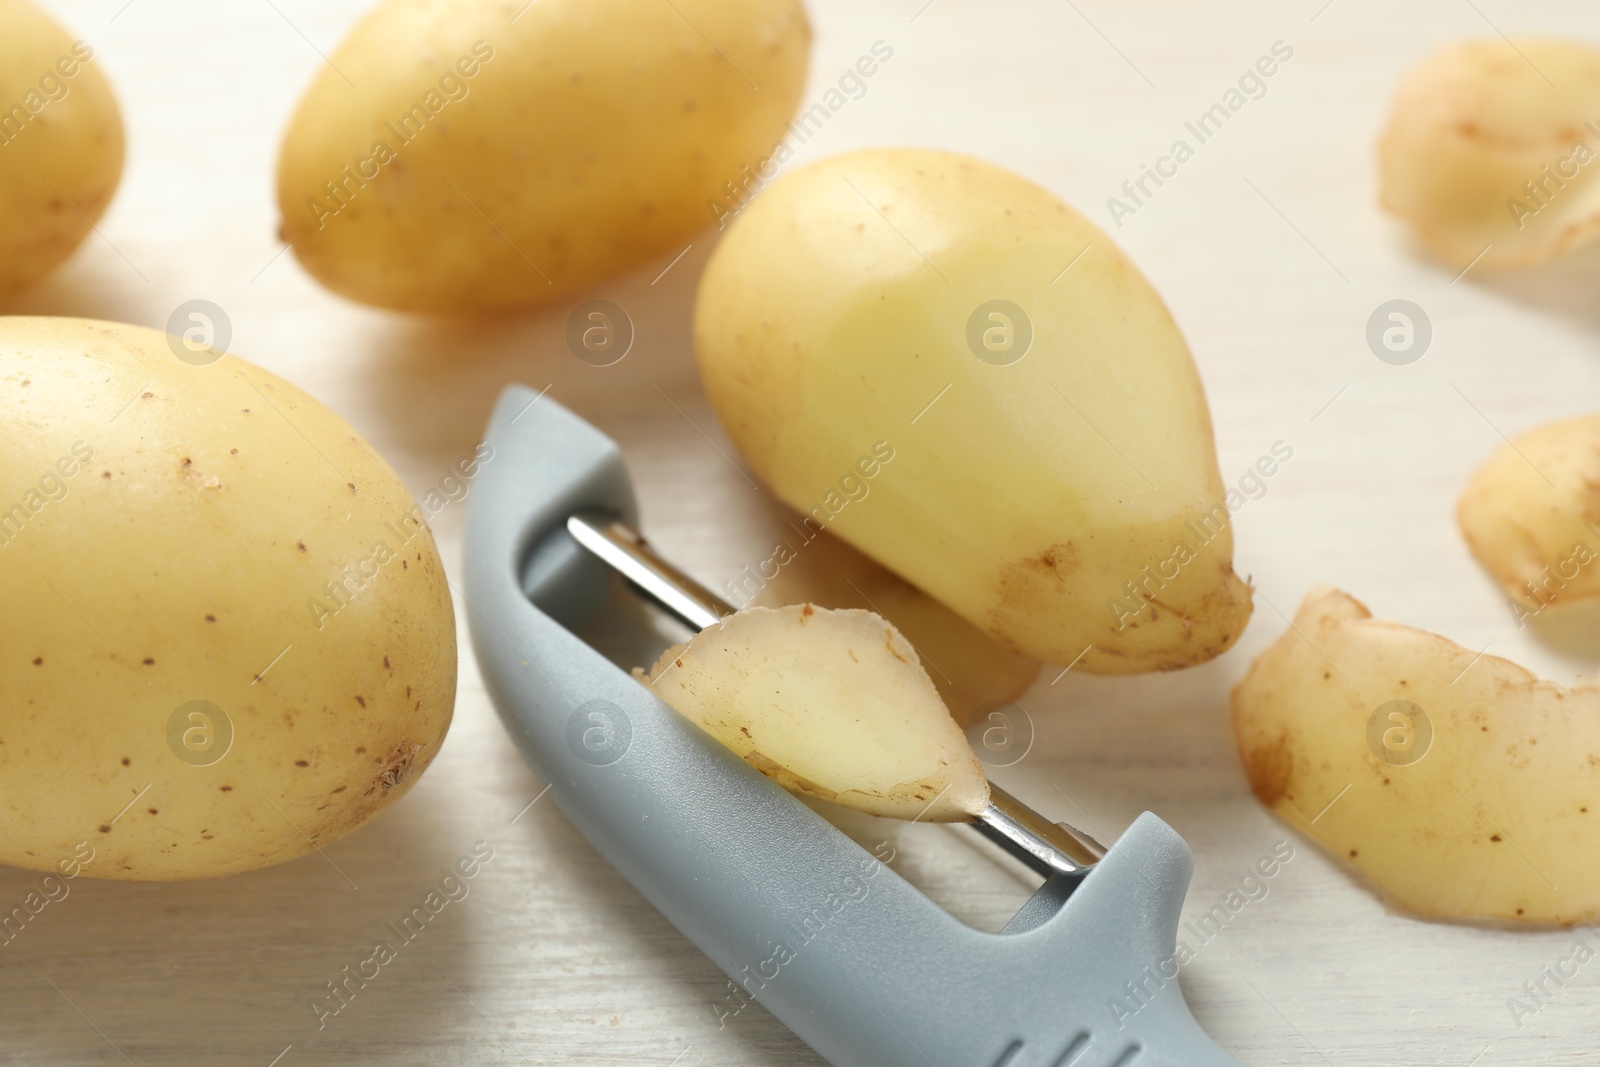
850 956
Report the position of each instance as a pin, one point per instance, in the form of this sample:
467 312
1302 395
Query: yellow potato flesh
1068 502
972 672
60 143
1483 804
1532 516
577 140
830 704
1491 150
186 533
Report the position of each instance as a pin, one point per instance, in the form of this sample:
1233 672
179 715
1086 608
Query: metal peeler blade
854 959
1049 848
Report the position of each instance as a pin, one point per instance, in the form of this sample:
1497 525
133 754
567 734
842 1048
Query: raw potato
972 672
172 533
1066 502
1483 154
1539 539
545 150
1483 805
829 704
60 143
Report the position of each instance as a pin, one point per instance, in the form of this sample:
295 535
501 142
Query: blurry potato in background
474 155
1487 152
60 143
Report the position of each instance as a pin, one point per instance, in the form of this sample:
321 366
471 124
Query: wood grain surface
1271 251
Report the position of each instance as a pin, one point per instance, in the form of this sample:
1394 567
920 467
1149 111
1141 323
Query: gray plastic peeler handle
854 959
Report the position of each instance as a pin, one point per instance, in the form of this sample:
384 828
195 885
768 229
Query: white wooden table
1270 250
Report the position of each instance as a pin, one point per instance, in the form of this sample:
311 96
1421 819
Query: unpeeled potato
1459 783
60 143
831 704
228 637
1491 150
472 155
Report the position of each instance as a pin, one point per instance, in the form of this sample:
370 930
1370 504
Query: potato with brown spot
831 704
1456 781
894 340
125 578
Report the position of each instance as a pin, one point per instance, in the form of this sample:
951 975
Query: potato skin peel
831 704
973 672
1539 538
1475 121
1496 821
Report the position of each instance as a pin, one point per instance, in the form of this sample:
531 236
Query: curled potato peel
973 673
1492 150
831 704
1531 515
1459 783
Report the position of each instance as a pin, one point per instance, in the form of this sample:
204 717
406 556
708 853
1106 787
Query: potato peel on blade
972 671
1461 784
832 704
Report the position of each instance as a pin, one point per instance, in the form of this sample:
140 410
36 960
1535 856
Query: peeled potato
230 638
829 704
60 143
1532 515
952 370
1491 148
971 671
476 155
1459 783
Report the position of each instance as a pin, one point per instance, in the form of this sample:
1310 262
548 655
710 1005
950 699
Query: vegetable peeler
835 944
